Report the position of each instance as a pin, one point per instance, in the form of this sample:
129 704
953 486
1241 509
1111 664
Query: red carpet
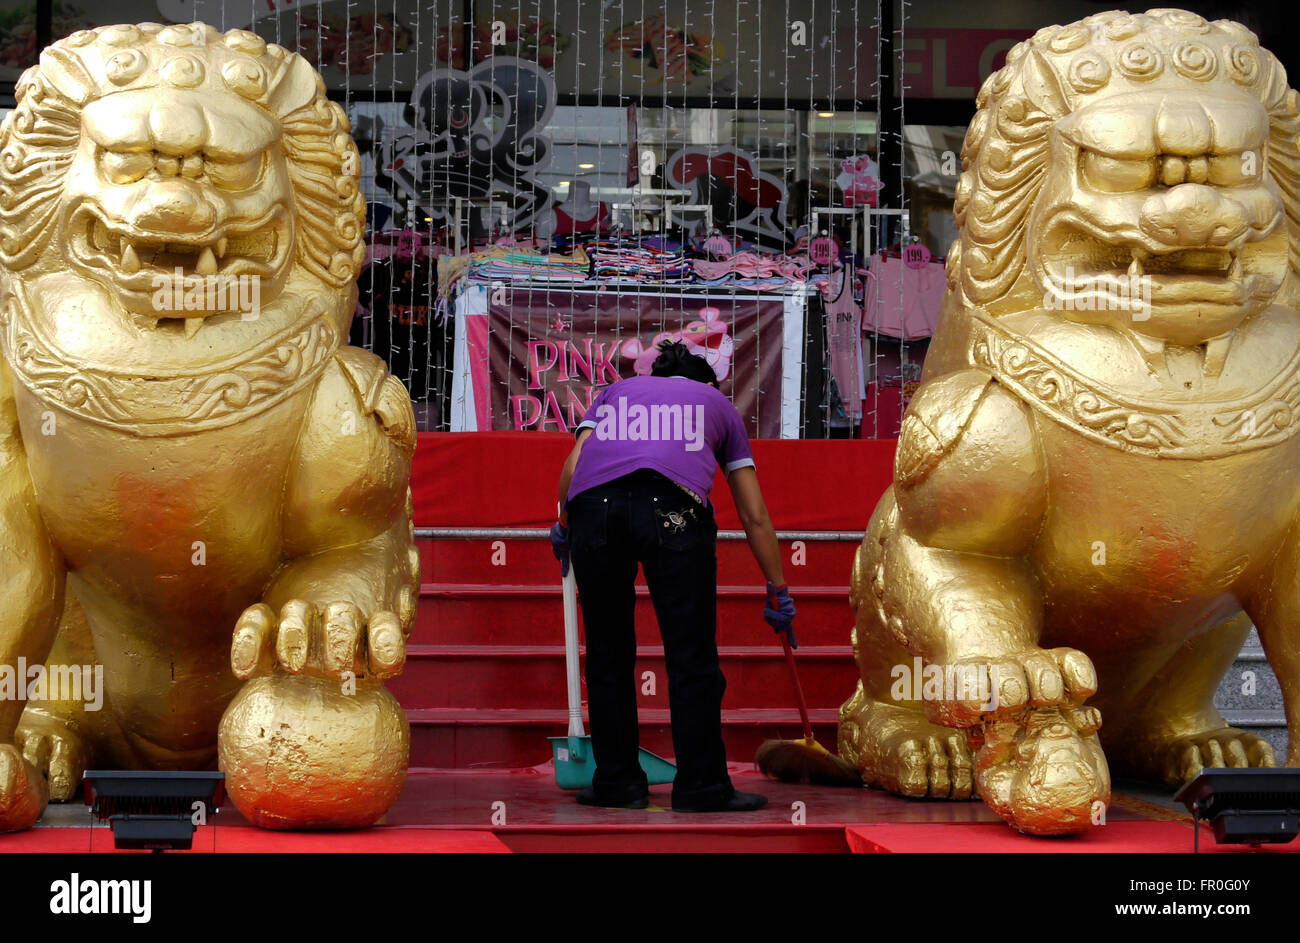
990 838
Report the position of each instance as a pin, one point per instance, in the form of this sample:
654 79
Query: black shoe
588 796
736 802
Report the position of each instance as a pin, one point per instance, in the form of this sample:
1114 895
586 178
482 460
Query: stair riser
512 747
537 683
539 620
524 562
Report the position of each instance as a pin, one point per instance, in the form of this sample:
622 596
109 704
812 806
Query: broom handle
798 688
571 655
572 673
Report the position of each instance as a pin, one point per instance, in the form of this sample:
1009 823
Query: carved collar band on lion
1095 489
203 492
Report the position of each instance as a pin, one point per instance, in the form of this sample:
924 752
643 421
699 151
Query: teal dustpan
574 764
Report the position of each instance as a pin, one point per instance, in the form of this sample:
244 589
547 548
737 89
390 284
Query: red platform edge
242 839
456 811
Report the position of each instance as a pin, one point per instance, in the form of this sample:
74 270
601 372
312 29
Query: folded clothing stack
640 263
506 264
752 270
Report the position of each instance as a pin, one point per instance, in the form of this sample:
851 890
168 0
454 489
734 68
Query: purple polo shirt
676 426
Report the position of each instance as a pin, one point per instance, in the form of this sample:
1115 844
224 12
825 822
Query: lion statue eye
125 166
1118 175
235 175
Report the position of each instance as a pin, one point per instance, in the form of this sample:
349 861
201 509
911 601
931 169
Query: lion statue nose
1193 215
173 206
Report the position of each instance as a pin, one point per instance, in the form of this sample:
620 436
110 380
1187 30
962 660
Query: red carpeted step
456 738
533 615
529 560
532 677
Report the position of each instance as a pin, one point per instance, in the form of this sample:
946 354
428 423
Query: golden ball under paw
301 752
1045 776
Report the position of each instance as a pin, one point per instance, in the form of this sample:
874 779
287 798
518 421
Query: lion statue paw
55 750
1177 758
900 750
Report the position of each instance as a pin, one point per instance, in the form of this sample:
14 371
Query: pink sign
823 250
916 256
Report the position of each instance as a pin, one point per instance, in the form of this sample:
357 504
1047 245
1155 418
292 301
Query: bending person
635 490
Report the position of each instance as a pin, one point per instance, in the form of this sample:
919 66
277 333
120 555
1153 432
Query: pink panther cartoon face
706 337
645 356
860 181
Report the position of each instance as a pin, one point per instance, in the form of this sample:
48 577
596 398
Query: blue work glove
779 611
560 546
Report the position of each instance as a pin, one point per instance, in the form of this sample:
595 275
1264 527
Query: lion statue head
139 152
1157 147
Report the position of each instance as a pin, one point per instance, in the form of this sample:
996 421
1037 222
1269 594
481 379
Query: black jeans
644 518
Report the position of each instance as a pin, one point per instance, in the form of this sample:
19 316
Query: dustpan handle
570 588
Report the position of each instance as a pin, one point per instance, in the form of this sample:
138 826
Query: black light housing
152 810
1245 806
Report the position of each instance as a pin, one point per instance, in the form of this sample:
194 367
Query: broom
806 760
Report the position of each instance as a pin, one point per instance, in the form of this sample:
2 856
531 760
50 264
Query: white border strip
469 301
792 364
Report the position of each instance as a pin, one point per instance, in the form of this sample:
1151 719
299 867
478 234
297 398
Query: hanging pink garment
844 341
903 302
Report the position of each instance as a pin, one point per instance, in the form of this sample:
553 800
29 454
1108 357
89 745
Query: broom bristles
804 761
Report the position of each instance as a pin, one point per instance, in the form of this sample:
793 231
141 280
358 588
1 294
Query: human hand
780 612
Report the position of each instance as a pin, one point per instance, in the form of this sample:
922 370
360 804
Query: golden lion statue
195 473
1095 487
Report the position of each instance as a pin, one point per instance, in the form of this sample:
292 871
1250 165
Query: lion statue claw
1094 490
204 492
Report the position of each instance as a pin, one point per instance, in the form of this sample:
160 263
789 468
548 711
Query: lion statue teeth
203 492
1095 491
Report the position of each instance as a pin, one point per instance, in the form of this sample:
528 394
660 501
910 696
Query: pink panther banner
550 353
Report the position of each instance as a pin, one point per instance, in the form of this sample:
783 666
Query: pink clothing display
753 265
901 301
844 341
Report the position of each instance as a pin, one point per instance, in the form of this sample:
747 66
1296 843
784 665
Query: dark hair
676 360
